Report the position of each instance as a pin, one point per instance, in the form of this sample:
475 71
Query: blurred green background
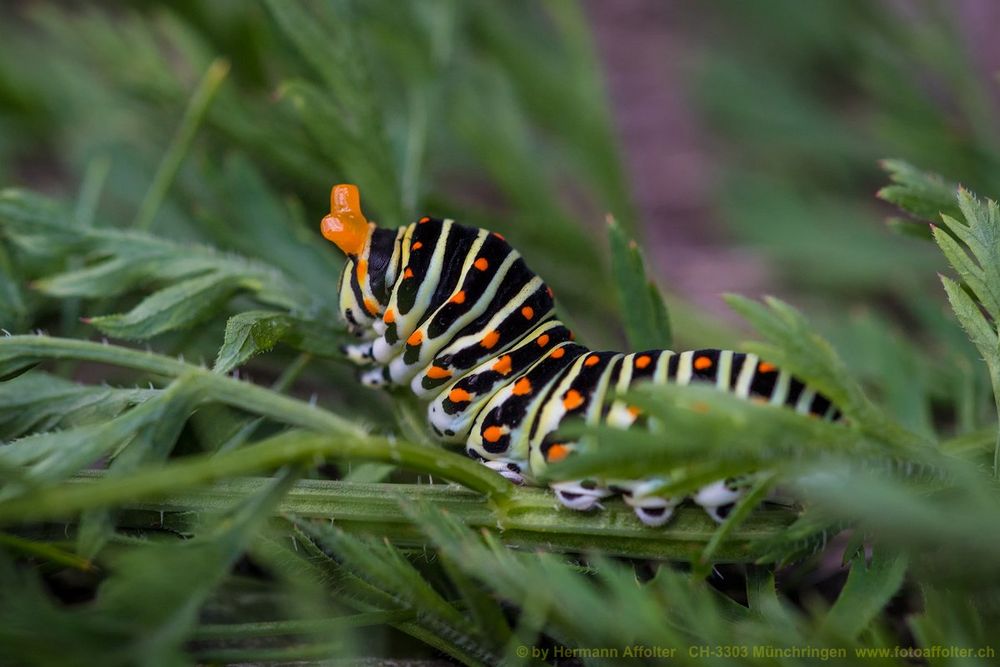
738 142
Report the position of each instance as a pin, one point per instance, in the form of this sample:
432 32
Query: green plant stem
292 372
194 114
299 627
271 655
527 517
267 455
46 551
531 518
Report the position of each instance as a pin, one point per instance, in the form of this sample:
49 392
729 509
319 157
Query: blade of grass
194 114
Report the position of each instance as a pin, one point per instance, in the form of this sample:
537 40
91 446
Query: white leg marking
360 353
576 497
652 510
717 499
507 468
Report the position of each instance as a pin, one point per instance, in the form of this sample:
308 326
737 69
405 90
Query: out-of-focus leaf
120 627
869 588
647 324
13 309
178 306
42 402
922 194
152 443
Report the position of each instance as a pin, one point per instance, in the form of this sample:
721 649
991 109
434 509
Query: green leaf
909 228
251 333
868 589
982 236
979 329
43 402
922 194
176 307
119 274
647 324
153 441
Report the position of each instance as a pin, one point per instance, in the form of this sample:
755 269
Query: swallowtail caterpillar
455 313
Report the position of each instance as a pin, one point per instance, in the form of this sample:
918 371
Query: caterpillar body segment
454 313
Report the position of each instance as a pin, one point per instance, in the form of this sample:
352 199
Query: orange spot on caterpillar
459 396
499 236
371 306
701 363
766 367
548 291
482 264
438 373
417 246
528 312
415 338
490 340
542 340
389 316
492 433
407 272
458 297
558 353
634 411
557 452
424 219
572 400
643 361
503 365
522 387
362 270
592 360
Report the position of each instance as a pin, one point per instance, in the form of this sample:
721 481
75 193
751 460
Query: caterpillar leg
509 468
581 496
651 510
359 353
718 498
374 377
